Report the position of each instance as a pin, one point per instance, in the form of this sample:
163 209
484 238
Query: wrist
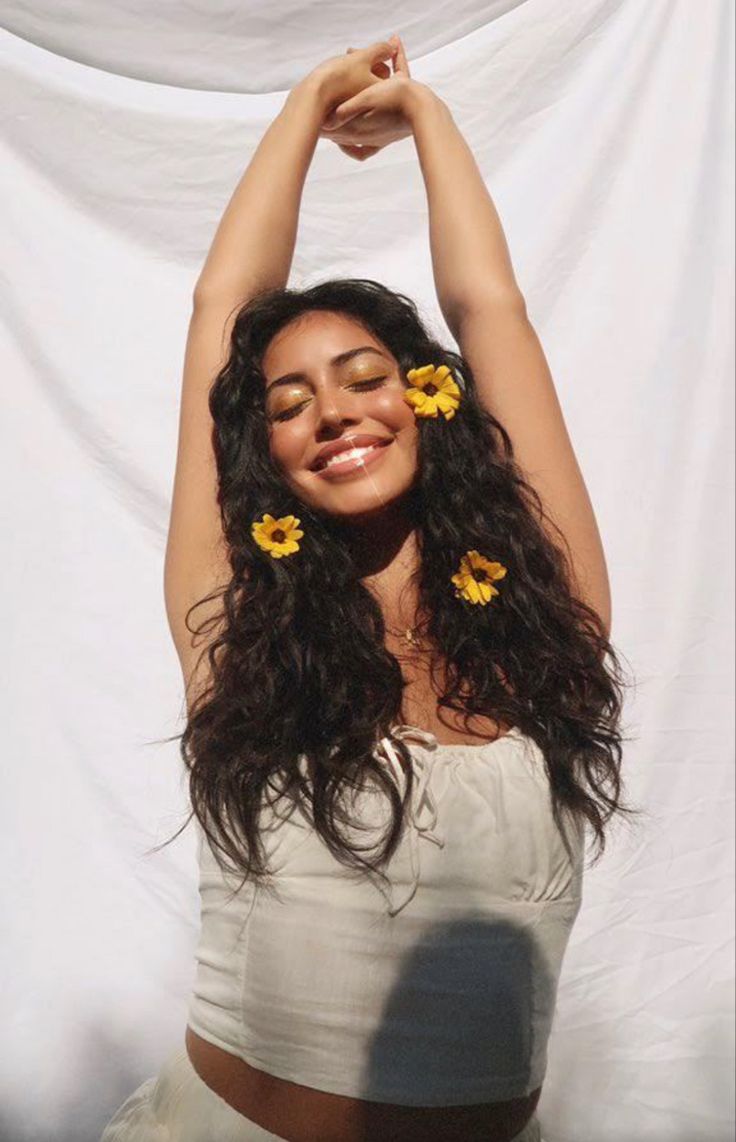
309 93
420 100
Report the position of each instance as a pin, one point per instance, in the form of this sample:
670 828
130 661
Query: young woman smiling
419 627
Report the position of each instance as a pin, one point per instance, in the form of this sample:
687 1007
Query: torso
301 1114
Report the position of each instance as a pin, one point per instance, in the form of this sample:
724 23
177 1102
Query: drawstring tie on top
423 810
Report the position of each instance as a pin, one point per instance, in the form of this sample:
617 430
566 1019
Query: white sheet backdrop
605 131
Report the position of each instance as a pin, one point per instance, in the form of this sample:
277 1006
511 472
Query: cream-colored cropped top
438 991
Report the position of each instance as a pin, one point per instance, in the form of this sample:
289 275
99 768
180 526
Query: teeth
349 454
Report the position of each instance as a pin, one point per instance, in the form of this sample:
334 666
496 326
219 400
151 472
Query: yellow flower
433 391
473 578
277 536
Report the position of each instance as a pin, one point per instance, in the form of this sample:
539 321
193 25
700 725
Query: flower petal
446 402
485 590
421 372
473 590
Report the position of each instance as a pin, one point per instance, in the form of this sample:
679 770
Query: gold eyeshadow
291 397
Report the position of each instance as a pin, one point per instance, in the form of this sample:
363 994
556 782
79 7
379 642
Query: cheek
390 407
286 445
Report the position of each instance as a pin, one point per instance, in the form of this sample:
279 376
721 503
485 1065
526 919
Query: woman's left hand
378 115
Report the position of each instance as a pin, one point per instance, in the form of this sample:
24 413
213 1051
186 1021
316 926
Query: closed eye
368 384
372 384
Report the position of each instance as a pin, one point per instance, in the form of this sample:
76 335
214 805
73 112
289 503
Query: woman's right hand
340 77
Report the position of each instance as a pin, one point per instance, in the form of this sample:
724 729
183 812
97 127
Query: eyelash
290 412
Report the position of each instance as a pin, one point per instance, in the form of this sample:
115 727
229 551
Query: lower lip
356 464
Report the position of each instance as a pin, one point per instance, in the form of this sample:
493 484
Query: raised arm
251 251
254 242
484 307
486 312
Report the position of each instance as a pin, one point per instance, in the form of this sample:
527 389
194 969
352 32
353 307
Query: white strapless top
440 991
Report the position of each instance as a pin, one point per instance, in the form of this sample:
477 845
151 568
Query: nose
335 409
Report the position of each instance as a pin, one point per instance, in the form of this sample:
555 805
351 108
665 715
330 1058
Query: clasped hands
366 104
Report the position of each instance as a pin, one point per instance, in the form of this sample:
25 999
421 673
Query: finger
347 150
358 152
381 50
401 63
347 110
382 70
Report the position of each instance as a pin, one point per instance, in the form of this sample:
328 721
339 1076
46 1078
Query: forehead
313 339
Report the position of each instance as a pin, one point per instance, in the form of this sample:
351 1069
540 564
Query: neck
386 553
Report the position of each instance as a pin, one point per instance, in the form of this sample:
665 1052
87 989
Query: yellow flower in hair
473 580
433 391
277 536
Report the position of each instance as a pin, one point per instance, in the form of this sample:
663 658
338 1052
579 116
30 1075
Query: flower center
278 535
430 389
479 575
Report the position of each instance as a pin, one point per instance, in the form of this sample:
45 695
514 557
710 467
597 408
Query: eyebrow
340 359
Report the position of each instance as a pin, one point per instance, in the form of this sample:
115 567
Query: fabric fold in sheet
604 132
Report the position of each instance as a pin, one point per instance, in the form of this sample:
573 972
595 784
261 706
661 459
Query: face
338 393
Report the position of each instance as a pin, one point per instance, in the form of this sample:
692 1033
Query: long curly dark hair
298 666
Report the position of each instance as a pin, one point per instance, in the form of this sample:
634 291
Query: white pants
177 1106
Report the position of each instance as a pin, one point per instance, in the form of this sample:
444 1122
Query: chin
347 504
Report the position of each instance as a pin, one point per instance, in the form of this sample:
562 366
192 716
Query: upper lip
362 440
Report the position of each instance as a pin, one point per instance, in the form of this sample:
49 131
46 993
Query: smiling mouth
352 459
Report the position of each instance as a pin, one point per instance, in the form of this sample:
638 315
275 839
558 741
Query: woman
404 632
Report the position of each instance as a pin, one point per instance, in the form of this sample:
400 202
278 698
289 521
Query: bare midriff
299 1113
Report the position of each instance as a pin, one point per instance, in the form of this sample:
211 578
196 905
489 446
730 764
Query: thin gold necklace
408 635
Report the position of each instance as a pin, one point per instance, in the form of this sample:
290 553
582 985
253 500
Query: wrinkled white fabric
604 132
177 1106
438 990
